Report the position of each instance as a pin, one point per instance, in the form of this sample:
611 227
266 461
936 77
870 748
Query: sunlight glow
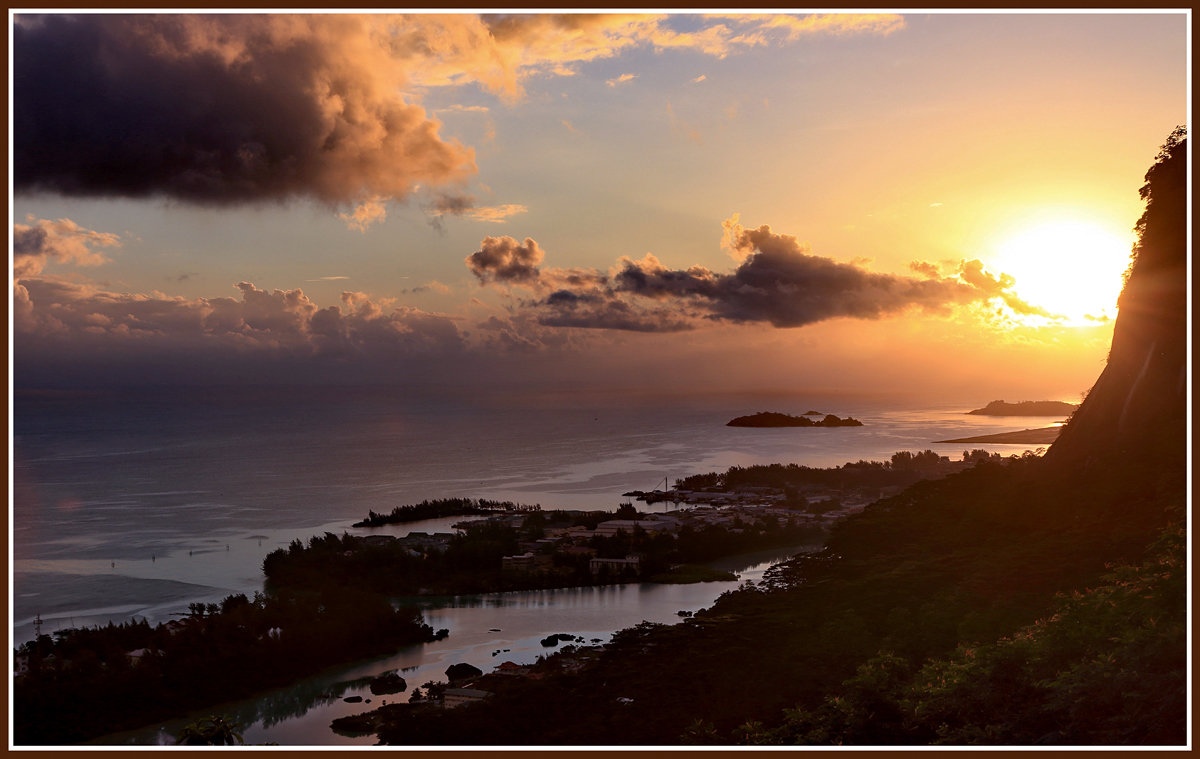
1072 269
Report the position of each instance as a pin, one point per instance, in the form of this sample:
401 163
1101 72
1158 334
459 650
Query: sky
938 203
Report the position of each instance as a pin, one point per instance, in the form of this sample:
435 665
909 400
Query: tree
217 730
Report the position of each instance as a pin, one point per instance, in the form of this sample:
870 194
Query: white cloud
622 79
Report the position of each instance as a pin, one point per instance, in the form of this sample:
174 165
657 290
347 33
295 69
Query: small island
775 419
1026 408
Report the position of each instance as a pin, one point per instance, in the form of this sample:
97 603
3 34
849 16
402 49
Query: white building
629 563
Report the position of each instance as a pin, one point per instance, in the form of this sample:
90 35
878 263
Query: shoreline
1037 436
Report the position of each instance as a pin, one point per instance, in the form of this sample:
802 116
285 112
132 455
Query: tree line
83 683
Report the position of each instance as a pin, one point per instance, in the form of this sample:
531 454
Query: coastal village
735 509
756 509
551 537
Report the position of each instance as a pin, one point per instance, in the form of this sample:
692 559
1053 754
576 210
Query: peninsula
443 507
775 419
543 549
1026 408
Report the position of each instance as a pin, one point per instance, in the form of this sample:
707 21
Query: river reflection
485 630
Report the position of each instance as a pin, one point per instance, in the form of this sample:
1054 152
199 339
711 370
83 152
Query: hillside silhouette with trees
1023 601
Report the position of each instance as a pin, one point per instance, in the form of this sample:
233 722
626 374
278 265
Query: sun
1072 269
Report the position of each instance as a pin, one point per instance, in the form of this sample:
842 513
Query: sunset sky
936 202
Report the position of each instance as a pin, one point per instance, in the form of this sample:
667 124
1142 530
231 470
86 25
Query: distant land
1026 408
1040 436
775 419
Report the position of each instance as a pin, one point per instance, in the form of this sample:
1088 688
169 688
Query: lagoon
300 715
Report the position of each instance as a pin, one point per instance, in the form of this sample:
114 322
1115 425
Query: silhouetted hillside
1130 432
1027 601
1139 399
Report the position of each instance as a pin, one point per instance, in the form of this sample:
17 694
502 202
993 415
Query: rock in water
462 671
388 682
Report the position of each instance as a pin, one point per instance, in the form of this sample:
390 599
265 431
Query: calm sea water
137 504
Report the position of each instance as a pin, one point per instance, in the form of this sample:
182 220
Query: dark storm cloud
219 109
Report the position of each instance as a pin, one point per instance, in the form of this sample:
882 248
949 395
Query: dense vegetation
1107 666
442 507
84 683
471 562
904 468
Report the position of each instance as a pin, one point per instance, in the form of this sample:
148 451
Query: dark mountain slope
1135 413
1032 601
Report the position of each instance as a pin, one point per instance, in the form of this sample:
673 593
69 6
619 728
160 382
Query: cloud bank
274 321
778 282
58 321
69 332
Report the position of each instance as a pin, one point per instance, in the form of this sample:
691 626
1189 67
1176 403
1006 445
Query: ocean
135 504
